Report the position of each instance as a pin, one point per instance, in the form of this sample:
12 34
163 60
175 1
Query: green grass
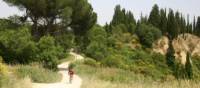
99 77
37 74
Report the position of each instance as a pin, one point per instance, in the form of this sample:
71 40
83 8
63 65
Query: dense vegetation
48 29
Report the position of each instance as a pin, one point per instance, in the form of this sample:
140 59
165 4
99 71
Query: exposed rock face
182 44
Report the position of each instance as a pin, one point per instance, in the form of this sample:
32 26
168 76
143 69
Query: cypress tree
154 17
171 25
194 25
198 26
188 66
170 56
178 23
163 21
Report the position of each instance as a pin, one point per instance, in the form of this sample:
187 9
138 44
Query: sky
105 8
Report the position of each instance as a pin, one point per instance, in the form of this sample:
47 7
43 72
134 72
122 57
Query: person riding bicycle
70 72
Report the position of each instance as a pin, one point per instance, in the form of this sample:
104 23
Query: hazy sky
105 8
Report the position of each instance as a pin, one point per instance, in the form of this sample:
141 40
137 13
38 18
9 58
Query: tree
163 21
188 66
17 46
198 26
154 17
118 16
171 25
194 25
170 56
148 34
123 17
97 47
49 52
44 14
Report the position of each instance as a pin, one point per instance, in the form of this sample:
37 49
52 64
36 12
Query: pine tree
154 17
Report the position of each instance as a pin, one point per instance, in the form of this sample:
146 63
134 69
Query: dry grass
94 82
96 77
12 82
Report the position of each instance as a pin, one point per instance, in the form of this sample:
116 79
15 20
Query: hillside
182 44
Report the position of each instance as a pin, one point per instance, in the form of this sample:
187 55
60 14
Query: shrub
65 40
97 47
113 61
71 65
148 34
37 74
17 46
91 62
3 69
49 52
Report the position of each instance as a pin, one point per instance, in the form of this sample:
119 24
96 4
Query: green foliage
37 74
171 25
3 69
71 66
196 67
65 40
163 21
148 34
17 46
170 56
91 62
49 52
154 17
123 19
189 67
113 61
197 31
76 14
149 64
97 47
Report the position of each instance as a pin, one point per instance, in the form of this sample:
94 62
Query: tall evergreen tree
171 25
178 23
170 58
163 21
194 25
188 66
154 17
198 26
143 19
118 16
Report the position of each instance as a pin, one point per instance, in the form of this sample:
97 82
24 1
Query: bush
3 69
37 74
113 61
91 62
71 66
148 34
49 52
97 47
17 46
65 40
149 64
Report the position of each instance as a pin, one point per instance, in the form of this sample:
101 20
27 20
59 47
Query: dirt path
76 83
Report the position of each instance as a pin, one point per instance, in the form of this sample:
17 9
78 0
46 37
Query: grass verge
99 77
37 74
